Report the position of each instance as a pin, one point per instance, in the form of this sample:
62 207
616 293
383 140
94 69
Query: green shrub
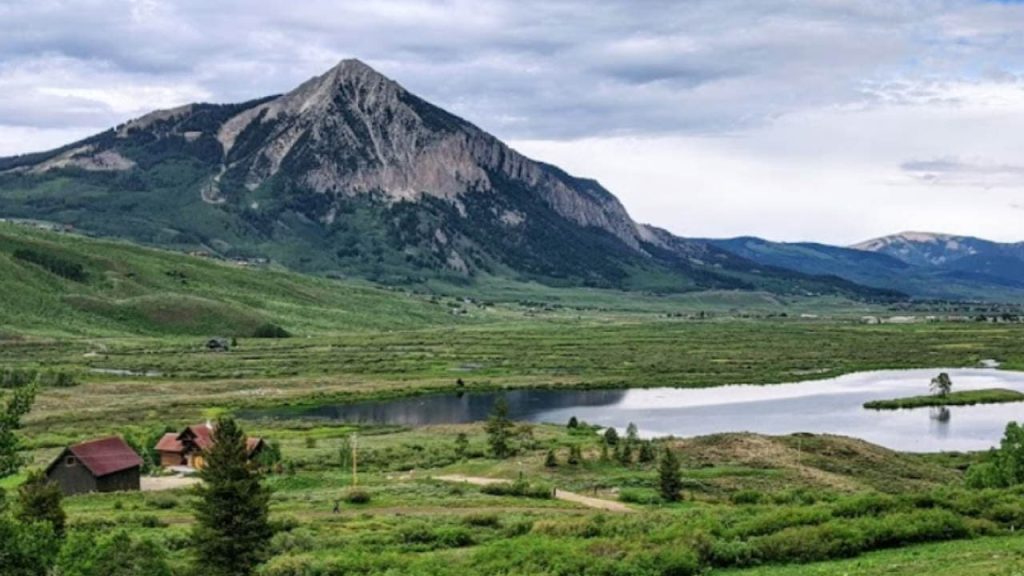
984 475
747 497
677 561
864 505
357 496
482 519
518 488
270 331
639 496
161 501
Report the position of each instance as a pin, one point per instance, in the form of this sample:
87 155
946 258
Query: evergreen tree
611 436
646 455
632 433
551 461
461 445
625 454
575 456
39 500
499 428
670 479
573 423
232 532
18 404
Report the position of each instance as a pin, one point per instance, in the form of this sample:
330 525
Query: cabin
186 448
103 465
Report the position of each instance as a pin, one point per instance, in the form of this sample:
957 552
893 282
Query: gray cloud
523 69
953 171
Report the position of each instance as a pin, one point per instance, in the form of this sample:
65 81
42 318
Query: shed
103 465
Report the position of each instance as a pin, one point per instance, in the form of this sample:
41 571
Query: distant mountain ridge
350 174
928 265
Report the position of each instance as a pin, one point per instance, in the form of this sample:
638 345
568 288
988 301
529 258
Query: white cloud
834 174
711 117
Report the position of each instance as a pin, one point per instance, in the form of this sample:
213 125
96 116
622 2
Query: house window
69 461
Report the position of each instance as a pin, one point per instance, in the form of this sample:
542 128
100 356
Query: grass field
131 331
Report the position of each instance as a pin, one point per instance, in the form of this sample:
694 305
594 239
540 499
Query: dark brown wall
124 480
73 479
77 479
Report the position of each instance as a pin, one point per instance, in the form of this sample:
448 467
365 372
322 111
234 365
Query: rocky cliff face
353 131
351 174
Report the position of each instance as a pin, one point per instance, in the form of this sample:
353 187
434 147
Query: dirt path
159 483
597 503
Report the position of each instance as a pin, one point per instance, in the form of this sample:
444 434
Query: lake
832 406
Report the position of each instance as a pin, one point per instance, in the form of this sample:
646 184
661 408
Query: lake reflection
824 406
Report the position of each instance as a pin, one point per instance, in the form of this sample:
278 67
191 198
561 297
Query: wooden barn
187 447
103 465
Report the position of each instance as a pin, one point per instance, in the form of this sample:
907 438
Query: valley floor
752 504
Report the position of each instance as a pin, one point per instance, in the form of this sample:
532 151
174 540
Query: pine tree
575 456
611 436
18 404
461 445
670 479
551 461
646 455
632 433
40 500
499 428
625 454
232 531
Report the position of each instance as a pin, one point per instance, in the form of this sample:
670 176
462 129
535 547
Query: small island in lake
962 398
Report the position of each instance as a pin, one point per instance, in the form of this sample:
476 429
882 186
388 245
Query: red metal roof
203 434
169 443
106 455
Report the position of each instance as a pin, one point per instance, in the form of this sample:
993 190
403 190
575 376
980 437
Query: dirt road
597 503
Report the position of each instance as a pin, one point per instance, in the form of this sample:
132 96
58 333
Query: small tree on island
499 429
670 478
232 532
941 385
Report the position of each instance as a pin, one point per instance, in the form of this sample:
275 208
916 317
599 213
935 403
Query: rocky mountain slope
350 174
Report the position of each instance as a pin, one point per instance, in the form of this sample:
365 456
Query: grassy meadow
129 324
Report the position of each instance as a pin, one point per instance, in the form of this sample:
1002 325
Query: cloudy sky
827 120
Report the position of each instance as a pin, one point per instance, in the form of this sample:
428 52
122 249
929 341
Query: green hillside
62 284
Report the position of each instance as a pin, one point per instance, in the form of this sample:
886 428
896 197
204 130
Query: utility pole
355 456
